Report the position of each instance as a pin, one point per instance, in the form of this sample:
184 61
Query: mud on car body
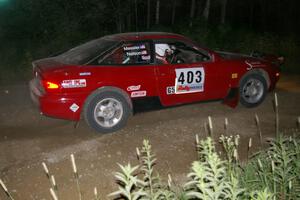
99 79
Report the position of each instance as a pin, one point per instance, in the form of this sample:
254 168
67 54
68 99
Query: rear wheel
253 89
106 111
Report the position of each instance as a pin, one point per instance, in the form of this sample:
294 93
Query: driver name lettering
135 48
136 53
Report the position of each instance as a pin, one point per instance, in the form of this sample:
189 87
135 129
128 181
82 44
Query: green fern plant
262 195
296 182
204 148
284 159
208 177
151 182
130 187
276 169
149 187
234 192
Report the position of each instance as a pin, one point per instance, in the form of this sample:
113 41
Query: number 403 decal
189 80
190 77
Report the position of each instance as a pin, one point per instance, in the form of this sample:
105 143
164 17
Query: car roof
136 36
144 36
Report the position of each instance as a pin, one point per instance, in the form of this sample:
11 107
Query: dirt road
27 139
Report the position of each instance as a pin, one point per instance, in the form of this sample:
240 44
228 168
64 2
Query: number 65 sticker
189 80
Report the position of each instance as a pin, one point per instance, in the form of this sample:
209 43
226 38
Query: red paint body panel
58 105
222 72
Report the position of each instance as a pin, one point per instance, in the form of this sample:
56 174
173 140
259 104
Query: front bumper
274 78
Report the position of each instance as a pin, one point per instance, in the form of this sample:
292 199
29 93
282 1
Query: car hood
255 58
236 56
248 59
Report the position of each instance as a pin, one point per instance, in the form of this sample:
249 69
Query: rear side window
128 53
84 53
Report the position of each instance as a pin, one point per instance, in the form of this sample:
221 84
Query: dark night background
32 29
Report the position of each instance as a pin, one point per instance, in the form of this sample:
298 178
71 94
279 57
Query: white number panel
189 80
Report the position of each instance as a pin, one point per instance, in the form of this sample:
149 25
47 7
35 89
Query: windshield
84 53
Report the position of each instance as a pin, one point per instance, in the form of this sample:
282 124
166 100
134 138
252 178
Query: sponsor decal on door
141 93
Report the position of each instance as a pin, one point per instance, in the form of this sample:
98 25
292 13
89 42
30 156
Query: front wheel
106 111
253 89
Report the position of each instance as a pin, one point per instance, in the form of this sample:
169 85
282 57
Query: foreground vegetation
272 173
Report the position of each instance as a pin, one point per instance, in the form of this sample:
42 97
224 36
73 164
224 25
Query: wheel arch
232 98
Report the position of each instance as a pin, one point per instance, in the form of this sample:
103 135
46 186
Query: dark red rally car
99 79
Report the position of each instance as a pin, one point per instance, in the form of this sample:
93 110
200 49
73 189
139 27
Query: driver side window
177 52
128 53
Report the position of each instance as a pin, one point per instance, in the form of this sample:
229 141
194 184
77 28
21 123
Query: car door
186 73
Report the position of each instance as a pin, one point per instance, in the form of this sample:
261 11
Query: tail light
50 85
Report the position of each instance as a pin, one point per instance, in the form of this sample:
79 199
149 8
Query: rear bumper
61 107
64 106
35 93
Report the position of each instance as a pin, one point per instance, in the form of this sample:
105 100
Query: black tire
253 90
106 111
